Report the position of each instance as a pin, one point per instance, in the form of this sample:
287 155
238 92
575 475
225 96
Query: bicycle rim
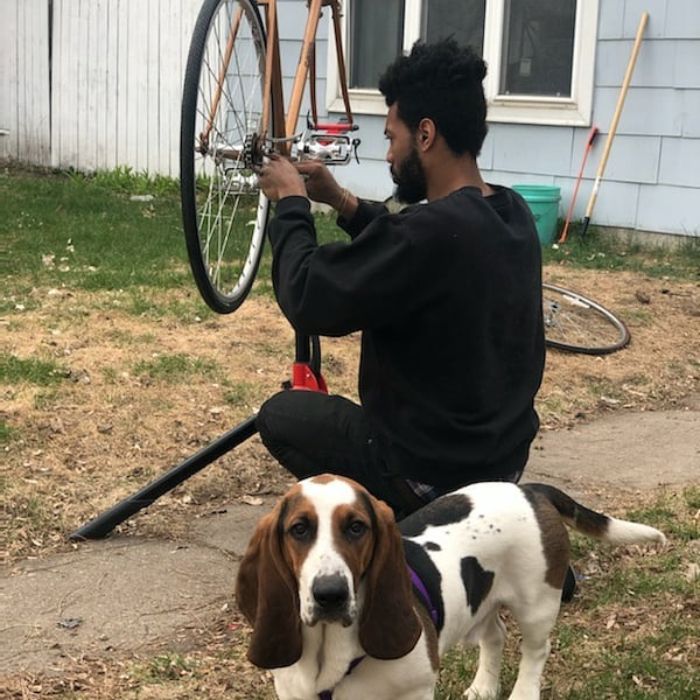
224 212
575 323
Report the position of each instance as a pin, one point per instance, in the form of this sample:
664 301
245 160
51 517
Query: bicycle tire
224 213
575 323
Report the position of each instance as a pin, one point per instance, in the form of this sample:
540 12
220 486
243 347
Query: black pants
312 433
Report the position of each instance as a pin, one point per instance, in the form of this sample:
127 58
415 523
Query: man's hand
322 187
278 178
320 183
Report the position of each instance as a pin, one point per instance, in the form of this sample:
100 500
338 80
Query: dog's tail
597 525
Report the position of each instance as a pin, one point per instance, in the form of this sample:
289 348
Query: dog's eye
356 529
300 530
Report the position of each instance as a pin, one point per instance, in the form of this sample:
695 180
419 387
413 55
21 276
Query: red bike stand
306 376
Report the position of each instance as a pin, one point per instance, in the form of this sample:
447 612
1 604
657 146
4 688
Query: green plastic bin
543 201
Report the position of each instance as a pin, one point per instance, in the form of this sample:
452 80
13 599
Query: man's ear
426 134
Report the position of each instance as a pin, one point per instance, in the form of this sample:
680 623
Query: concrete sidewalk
127 593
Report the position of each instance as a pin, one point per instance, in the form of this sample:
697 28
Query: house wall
118 67
110 95
652 180
116 81
24 80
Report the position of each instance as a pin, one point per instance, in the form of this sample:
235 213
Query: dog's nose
330 592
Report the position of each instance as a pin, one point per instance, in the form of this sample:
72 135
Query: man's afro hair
441 82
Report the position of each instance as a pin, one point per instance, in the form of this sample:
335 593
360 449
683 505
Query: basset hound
346 604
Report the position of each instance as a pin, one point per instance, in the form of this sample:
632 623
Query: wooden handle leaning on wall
616 116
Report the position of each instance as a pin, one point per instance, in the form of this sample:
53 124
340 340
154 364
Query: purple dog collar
328 694
420 587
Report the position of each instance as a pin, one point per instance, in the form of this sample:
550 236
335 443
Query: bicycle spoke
223 93
240 82
230 99
223 70
240 71
580 324
230 226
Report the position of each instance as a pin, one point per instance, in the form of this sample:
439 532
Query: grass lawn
85 232
111 368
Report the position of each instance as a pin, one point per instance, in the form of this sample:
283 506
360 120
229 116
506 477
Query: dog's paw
481 692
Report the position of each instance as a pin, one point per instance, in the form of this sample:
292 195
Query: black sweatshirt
448 296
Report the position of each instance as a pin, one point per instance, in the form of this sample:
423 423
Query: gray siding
652 180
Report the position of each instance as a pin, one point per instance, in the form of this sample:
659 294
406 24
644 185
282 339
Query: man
447 295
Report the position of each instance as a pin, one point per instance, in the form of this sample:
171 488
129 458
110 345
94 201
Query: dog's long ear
267 595
389 627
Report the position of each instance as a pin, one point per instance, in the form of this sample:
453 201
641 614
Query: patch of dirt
659 368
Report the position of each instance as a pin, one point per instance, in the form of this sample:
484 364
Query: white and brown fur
324 581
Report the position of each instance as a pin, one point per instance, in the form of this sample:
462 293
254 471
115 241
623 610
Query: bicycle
575 323
233 114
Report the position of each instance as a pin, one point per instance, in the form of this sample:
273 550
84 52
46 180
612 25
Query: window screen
376 32
461 19
538 46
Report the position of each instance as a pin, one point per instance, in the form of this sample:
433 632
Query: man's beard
411 186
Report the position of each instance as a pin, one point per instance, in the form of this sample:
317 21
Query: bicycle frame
273 94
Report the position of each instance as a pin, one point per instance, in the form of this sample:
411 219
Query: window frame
515 109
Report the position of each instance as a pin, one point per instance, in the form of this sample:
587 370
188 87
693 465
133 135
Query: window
464 20
538 47
381 26
540 53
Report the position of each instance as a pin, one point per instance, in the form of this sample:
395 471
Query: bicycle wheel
575 323
224 212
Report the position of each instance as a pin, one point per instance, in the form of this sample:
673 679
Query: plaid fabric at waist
428 493
425 492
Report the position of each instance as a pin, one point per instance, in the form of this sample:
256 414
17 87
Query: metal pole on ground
103 524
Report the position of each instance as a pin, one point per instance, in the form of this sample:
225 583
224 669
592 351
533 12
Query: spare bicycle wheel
575 323
224 212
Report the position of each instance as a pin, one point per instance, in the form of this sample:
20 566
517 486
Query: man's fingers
267 161
306 167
